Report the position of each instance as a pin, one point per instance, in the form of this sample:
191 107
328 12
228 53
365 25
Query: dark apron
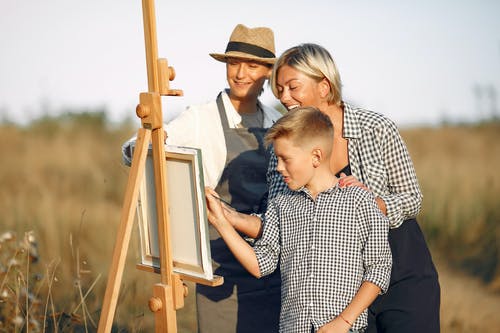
243 303
412 302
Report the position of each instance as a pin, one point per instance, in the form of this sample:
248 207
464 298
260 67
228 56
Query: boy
330 242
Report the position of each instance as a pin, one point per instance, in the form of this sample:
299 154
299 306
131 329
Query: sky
419 62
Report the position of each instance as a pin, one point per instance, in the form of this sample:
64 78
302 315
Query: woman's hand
335 326
346 181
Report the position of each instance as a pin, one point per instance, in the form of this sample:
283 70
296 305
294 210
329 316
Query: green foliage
88 121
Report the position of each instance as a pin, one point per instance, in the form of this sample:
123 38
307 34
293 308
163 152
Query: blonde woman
368 152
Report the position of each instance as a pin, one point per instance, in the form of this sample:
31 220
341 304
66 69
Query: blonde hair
303 126
314 61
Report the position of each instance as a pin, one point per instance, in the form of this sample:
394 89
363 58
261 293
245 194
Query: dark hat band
250 49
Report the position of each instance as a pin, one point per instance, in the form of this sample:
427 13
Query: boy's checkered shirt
325 248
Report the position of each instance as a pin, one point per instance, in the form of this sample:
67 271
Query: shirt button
311 304
312 275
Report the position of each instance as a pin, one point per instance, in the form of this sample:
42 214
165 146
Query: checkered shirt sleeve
379 158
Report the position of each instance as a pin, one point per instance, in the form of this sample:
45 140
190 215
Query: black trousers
412 301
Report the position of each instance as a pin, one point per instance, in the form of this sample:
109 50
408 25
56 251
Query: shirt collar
351 122
233 117
330 190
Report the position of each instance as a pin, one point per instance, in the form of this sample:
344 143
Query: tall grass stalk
50 276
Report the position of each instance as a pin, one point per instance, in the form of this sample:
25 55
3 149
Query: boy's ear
317 157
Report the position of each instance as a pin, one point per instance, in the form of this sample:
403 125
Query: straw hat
251 44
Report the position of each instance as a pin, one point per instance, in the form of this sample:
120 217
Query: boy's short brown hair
303 126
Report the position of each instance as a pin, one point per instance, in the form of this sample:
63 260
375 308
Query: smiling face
295 163
246 78
297 89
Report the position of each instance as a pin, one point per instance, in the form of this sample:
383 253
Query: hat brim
243 56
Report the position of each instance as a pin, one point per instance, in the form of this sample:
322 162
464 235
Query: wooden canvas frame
187 211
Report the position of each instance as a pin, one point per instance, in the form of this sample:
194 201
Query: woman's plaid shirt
325 248
378 158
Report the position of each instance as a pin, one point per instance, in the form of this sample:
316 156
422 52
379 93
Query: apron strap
222 112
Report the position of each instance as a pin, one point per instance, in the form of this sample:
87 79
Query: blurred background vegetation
62 187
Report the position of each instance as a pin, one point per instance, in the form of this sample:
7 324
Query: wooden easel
168 295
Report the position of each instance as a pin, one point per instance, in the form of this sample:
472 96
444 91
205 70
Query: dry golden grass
458 171
63 179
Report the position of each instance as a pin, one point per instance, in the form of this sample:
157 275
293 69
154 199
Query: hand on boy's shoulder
358 194
347 181
357 190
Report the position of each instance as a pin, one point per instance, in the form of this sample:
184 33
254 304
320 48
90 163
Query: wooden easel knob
166 74
171 73
155 304
142 111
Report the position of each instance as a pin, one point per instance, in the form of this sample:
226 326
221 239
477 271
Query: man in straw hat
229 130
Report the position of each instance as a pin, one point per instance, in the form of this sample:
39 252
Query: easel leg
162 305
125 229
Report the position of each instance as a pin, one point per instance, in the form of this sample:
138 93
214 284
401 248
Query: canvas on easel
187 211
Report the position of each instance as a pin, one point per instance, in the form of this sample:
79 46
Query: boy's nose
279 167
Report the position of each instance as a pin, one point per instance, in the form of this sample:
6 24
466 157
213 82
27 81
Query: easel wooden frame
168 295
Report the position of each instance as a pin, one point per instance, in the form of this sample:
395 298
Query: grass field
62 186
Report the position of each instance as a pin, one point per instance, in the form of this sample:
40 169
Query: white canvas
187 214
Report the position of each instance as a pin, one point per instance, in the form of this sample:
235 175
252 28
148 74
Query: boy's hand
335 326
238 246
220 214
215 212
